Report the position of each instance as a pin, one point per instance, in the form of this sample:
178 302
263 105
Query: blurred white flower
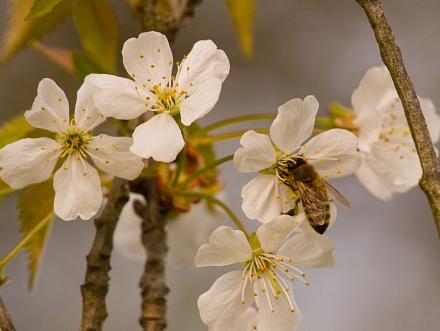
332 153
270 263
389 159
76 183
186 232
190 94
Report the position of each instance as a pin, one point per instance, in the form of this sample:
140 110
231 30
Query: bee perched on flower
77 184
291 173
175 100
389 158
261 294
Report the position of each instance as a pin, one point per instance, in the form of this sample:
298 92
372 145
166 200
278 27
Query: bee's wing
335 194
315 202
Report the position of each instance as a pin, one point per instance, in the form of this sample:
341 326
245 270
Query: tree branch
95 287
154 239
5 318
392 57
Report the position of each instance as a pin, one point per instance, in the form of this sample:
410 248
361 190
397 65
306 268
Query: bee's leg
295 210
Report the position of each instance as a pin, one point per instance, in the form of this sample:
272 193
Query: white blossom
389 159
186 232
174 99
270 263
77 184
332 153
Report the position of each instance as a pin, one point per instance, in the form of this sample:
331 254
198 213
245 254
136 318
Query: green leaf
20 30
83 66
243 16
35 205
14 129
98 30
41 8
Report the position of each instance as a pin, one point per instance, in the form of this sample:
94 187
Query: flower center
269 275
74 140
168 99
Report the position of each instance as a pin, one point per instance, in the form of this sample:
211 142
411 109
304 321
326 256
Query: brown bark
5 318
95 287
392 57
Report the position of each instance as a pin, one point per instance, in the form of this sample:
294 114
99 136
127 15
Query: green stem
224 136
239 119
14 251
221 204
207 168
179 166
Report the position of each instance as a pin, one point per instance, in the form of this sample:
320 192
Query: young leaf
41 8
35 205
21 30
243 15
97 28
59 56
14 129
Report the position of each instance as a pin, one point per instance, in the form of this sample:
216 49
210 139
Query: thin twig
392 57
5 318
95 287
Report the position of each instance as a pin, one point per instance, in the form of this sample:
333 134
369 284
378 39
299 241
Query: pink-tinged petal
221 306
148 59
226 246
77 190
50 110
256 154
87 116
119 98
28 161
294 123
200 102
159 138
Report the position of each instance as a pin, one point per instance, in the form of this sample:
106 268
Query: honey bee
314 191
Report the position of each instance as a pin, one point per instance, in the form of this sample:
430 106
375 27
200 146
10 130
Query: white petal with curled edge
294 123
221 306
28 161
77 193
248 321
377 184
117 97
256 154
226 246
282 318
333 153
87 116
272 235
203 63
309 249
260 199
200 102
148 59
113 156
50 110
159 138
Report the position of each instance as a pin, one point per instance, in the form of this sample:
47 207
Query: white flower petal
309 249
282 318
226 246
294 123
148 59
333 153
117 97
260 199
203 63
256 154
50 110
375 182
431 117
87 116
76 193
112 155
159 138
271 235
221 306
248 321
200 102
28 161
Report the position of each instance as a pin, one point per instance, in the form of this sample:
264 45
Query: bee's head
295 163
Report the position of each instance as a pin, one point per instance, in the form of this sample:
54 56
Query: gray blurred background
388 266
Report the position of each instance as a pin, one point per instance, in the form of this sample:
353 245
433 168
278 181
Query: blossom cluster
289 195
